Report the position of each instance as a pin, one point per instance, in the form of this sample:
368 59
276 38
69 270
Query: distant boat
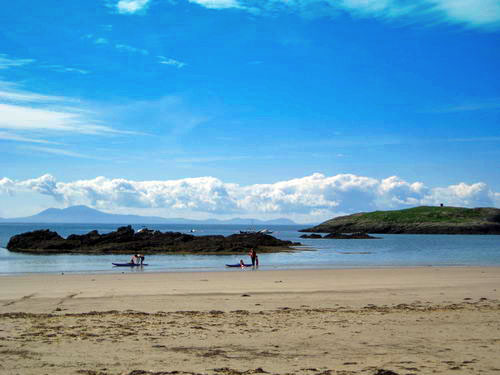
265 231
250 231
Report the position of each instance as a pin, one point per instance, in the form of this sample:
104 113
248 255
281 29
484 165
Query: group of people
137 259
255 259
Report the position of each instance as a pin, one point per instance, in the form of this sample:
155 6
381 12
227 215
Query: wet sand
360 321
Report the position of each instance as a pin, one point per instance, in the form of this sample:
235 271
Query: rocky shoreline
126 241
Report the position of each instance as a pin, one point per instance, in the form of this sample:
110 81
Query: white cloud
474 195
64 69
58 151
126 47
28 112
316 196
17 117
101 41
173 114
172 62
131 6
217 4
25 96
6 62
19 138
474 13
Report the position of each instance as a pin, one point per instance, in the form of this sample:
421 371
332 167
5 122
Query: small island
417 220
126 241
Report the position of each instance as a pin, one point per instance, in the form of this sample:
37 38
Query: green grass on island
417 220
425 214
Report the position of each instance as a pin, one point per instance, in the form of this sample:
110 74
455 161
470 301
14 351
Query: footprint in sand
69 296
23 298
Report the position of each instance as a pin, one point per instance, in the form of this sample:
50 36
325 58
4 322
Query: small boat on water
265 231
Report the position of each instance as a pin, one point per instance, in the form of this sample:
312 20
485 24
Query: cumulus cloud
462 194
315 196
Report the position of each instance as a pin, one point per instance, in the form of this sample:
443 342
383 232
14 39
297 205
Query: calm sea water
390 250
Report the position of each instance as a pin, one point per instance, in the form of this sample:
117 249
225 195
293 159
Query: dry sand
362 321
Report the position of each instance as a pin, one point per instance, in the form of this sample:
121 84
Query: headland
417 220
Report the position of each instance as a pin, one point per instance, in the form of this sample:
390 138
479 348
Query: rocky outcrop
126 241
313 235
417 220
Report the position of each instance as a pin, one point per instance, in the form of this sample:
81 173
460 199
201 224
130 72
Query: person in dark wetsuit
141 258
254 257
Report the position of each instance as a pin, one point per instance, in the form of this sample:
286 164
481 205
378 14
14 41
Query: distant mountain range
84 214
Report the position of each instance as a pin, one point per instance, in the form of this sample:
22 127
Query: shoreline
125 270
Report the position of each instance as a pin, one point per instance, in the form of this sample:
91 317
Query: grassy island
417 220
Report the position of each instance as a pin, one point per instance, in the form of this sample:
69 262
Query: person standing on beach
141 257
254 257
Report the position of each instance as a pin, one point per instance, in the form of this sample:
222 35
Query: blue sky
265 108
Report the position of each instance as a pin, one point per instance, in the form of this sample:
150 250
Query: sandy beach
425 320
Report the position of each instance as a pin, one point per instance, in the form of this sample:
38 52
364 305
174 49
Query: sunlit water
389 250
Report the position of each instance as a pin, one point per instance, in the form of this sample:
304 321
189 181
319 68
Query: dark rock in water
312 235
351 236
45 238
126 241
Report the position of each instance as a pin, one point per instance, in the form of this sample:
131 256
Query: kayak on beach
238 265
128 264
